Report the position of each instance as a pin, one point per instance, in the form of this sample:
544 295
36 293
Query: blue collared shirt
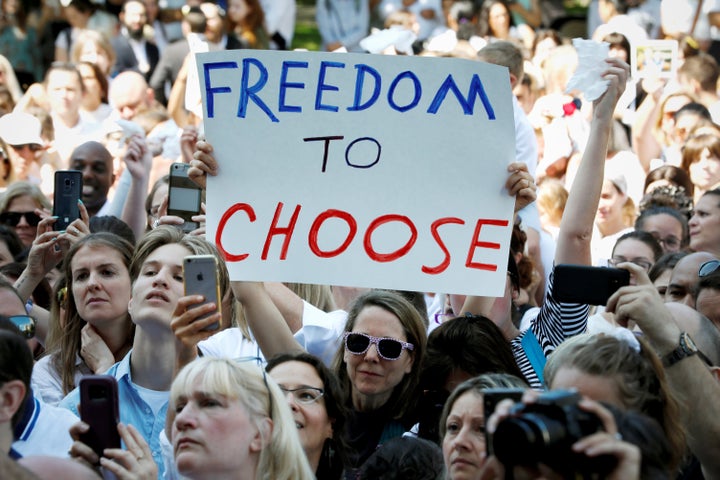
133 409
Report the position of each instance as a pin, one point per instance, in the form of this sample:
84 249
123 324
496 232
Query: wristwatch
686 348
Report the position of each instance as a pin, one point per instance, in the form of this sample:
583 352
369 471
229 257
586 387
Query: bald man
684 279
707 300
96 164
130 95
692 379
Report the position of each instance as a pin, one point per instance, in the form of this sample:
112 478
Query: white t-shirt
320 335
677 17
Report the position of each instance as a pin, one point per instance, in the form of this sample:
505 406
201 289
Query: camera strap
534 353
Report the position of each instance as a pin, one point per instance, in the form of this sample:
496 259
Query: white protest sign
360 170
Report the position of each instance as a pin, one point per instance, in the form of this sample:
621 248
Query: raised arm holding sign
359 170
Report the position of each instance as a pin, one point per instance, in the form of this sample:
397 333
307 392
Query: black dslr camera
544 432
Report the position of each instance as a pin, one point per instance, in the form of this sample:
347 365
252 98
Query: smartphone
201 277
100 409
184 196
591 285
68 190
491 397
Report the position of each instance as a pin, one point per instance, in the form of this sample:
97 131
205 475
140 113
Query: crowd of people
296 381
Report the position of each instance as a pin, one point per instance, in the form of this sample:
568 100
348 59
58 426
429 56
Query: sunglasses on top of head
11 219
708 268
387 348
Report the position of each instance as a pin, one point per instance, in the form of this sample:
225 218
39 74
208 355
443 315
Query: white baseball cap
20 128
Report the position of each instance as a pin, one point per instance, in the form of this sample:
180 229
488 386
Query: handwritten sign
360 170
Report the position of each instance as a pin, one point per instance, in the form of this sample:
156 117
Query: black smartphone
201 277
99 408
491 397
591 285
68 190
184 196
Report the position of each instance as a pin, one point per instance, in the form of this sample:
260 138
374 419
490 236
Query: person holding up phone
156 288
556 321
96 164
17 462
693 380
47 251
22 206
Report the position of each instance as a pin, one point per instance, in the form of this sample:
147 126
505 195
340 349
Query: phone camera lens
67 182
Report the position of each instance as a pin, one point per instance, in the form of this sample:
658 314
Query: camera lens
67 182
531 434
544 432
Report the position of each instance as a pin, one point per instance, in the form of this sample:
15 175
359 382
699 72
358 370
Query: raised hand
521 185
203 163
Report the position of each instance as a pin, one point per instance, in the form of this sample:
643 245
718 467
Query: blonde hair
11 81
638 376
97 38
551 199
657 127
629 212
559 67
283 457
319 296
22 188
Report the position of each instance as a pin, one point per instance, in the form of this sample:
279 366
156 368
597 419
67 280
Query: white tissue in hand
591 65
399 37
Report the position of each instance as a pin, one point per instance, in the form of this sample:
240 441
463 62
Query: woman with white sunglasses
379 367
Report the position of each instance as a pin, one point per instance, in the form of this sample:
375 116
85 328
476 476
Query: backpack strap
534 353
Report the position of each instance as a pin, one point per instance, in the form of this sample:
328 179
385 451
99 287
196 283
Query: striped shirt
555 322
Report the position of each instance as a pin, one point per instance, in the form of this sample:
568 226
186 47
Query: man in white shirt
37 428
678 18
65 90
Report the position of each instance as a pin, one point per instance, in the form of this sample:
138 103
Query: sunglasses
708 268
24 323
34 147
11 219
387 348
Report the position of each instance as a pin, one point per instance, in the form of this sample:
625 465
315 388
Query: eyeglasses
640 262
24 323
304 395
708 268
259 362
11 219
668 242
387 348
